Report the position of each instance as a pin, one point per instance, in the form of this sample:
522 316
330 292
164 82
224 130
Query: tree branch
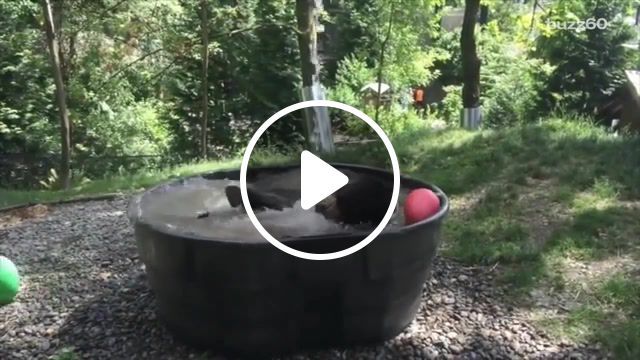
100 16
161 73
127 66
533 16
190 43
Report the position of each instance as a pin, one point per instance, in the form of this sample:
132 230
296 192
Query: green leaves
589 63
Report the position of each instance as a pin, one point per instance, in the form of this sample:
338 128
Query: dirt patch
463 205
596 271
17 216
540 214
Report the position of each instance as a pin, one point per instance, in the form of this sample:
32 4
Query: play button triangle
317 180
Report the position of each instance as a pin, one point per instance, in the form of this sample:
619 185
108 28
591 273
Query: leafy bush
136 129
450 108
353 73
511 80
27 122
449 65
589 63
394 121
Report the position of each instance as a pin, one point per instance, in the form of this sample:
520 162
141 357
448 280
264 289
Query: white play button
317 180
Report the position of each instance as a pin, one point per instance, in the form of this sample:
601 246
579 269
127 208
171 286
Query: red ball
420 204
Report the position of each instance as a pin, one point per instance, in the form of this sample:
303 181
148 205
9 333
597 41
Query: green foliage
418 67
108 112
408 60
352 74
449 110
27 121
132 75
394 121
132 71
66 354
133 130
449 66
523 80
51 180
589 64
253 74
511 81
621 290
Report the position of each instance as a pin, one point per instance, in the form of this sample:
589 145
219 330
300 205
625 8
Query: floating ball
420 204
9 281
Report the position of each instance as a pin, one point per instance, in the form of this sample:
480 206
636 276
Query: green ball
9 281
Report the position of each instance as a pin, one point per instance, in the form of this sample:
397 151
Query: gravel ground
84 289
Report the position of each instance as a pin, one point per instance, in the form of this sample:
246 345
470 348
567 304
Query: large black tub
249 298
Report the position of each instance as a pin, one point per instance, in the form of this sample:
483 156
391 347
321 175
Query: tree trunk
205 77
54 55
383 48
57 13
470 60
307 40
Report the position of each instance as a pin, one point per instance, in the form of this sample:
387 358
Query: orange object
419 95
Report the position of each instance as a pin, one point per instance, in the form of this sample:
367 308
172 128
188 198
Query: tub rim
261 241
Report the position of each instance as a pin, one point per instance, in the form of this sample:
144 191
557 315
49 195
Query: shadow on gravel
119 323
461 317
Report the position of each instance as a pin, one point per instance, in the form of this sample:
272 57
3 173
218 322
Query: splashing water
318 121
179 207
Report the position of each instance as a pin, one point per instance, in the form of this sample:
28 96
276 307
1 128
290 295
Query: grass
125 183
530 198
578 325
592 323
66 354
573 186
144 179
620 290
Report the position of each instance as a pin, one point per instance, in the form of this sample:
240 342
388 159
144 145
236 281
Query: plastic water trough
249 298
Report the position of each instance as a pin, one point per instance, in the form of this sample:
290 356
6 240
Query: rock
44 345
449 300
430 353
507 335
456 349
576 356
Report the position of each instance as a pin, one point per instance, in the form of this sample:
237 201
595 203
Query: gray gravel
85 291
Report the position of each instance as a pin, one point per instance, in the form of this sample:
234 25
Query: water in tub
200 206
